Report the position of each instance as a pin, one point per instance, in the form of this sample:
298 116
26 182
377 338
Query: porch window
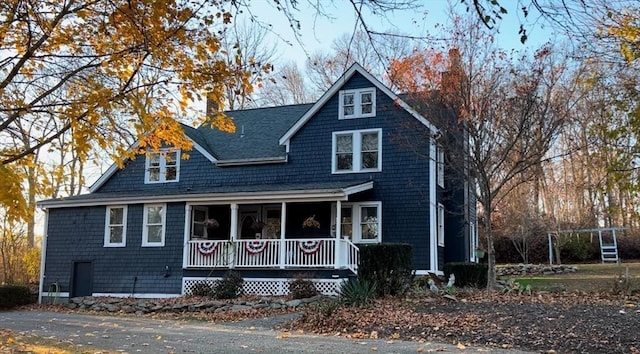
198 229
357 151
153 225
162 166
362 222
360 103
115 234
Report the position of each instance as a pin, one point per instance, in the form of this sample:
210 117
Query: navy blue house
292 193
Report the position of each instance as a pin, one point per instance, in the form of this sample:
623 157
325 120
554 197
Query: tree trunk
491 251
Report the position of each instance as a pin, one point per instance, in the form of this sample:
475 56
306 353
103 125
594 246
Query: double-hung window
440 165
115 233
357 151
163 166
361 222
153 225
358 103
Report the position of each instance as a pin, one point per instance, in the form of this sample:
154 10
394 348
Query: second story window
162 166
357 151
358 103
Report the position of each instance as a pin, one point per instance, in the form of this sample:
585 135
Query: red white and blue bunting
207 248
310 246
255 247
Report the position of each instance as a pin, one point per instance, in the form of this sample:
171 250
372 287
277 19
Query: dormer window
163 166
358 103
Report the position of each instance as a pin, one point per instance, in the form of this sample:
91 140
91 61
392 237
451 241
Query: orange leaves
421 71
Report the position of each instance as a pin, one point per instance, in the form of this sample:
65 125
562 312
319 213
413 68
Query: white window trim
356 228
107 227
163 166
357 103
356 136
145 229
440 165
440 225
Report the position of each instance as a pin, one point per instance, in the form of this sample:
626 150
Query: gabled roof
355 68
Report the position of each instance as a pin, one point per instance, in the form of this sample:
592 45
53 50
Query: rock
293 303
240 307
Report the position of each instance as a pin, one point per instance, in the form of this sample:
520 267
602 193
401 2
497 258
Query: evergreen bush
229 287
467 274
14 295
389 266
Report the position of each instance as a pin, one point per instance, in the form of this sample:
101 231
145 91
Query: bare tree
287 85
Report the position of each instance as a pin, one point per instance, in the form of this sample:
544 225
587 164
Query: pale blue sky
318 32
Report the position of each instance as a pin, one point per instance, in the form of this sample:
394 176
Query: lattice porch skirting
266 286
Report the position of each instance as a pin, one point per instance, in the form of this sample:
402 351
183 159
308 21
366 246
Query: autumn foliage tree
96 70
508 112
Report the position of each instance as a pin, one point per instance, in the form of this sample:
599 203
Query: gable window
162 166
115 233
440 165
440 225
153 225
358 103
357 151
361 222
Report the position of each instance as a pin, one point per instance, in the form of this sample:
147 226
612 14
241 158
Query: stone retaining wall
533 269
142 306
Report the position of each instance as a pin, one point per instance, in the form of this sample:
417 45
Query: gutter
252 161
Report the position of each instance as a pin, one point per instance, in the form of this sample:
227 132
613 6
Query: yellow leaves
627 29
223 122
11 196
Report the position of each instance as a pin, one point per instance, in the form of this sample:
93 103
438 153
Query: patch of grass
592 277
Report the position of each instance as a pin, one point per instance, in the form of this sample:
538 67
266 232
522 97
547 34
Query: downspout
43 255
433 218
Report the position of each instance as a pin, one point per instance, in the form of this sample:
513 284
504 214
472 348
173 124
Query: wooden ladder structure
608 247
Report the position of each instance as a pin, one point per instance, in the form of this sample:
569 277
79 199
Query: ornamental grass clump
358 292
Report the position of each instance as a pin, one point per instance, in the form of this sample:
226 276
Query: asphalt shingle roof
257 133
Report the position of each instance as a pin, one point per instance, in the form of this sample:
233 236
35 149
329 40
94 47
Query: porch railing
268 253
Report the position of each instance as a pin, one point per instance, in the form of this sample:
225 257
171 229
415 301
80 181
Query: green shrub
300 288
358 292
467 274
579 249
229 287
202 289
387 265
14 295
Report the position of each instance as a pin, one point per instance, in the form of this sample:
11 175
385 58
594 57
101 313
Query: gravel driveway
147 335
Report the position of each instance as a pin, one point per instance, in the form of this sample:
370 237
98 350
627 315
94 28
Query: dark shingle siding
77 234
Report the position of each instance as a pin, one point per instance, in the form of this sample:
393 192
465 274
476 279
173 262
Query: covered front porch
292 229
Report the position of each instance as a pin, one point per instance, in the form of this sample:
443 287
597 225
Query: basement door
82 279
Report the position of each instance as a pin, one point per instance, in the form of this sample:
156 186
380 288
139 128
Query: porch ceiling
281 192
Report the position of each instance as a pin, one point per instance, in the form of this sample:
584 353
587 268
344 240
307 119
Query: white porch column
338 256
283 232
186 247
233 233
234 222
